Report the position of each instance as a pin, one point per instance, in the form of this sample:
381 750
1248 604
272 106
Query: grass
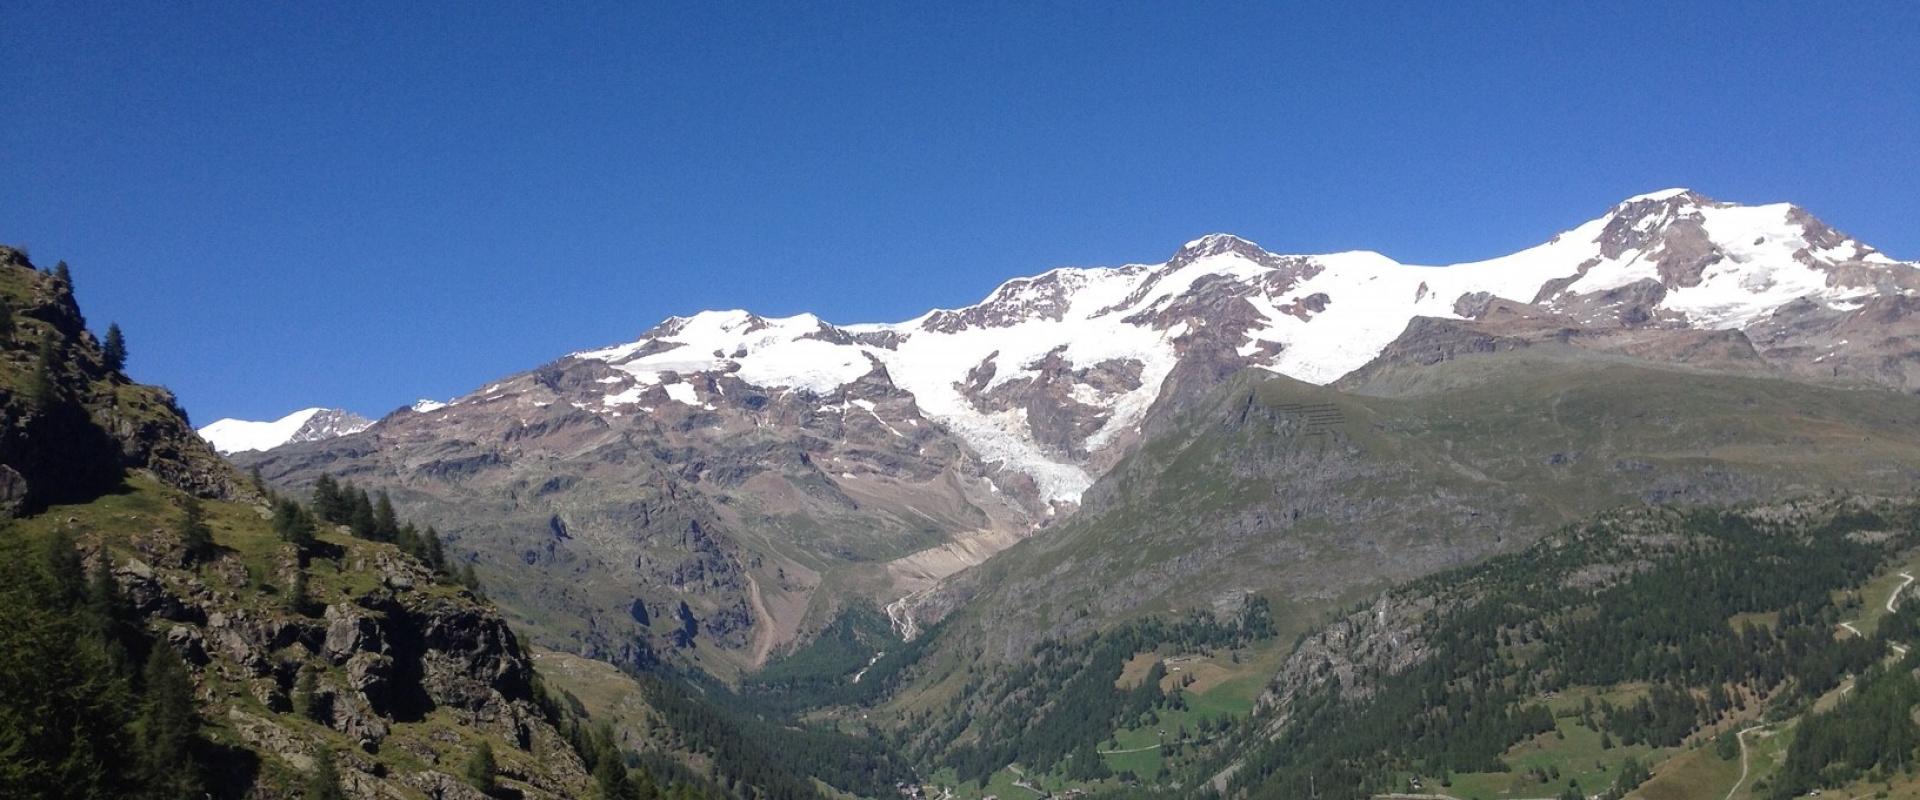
1874 593
1765 751
1578 757
139 519
1221 688
1696 773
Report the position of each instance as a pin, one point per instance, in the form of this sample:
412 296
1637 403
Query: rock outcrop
71 426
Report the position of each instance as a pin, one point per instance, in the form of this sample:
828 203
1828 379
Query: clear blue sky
317 204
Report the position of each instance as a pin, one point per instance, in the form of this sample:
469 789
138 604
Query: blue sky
359 205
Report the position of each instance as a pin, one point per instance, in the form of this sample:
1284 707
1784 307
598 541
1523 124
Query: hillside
1314 496
1757 651
70 423
172 630
767 474
1647 651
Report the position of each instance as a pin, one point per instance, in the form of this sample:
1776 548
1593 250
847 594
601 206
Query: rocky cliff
70 425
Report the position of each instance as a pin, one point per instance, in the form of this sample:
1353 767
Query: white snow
768 352
1659 195
239 435
626 398
683 393
1080 315
425 406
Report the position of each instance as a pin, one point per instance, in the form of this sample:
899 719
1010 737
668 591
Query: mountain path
1742 738
1895 596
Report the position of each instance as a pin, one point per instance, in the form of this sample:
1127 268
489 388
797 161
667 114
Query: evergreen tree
328 504
6 319
63 274
298 599
413 542
611 777
481 768
166 729
324 782
293 524
194 532
436 554
63 709
42 389
114 350
386 524
363 522
108 618
67 573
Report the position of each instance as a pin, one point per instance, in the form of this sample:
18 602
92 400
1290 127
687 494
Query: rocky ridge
787 465
92 423
305 425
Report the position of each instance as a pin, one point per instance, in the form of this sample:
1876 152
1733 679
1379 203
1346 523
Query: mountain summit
749 466
305 425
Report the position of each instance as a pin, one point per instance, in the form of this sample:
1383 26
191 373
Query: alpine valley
1626 514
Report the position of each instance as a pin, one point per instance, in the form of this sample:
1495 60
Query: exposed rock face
397 655
92 424
1310 493
750 466
1353 652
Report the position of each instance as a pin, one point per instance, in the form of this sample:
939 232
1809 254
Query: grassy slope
1397 486
128 524
1430 481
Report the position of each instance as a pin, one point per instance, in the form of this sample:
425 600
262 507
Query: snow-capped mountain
747 465
1097 344
305 425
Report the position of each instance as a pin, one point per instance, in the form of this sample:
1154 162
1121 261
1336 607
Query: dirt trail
1742 738
1891 598
763 638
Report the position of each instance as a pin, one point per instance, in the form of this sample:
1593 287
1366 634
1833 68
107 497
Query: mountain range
1234 524
768 472
306 425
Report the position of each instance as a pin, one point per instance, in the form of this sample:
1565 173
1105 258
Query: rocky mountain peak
1214 244
306 425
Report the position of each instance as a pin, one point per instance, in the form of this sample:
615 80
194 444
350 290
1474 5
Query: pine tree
6 319
363 522
408 538
327 502
114 350
43 390
298 600
611 776
436 555
108 619
481 768
63 274
293 524
64 713
324 782
386 524
165 731
194 532
67 573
